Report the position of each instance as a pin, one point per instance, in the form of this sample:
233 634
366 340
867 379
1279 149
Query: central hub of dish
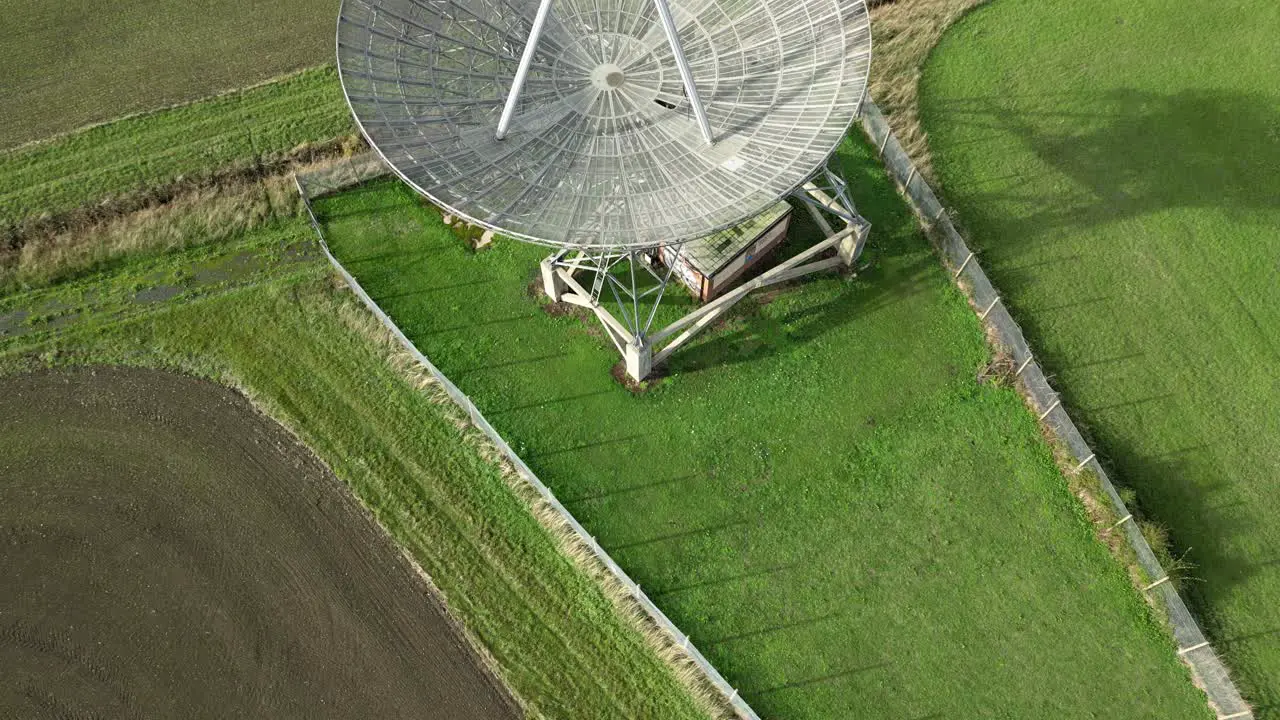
607 76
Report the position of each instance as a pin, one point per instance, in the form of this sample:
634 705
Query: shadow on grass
1131 153
400 256
1192 506
749 335
550 401
436 288
727 580
523 317
510 363
1126 154
776 627
529 457
702 530
600 495
831 677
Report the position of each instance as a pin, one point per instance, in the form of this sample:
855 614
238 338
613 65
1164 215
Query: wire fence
1193 647
359 169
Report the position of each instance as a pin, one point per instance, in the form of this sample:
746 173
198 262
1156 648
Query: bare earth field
73 62
170 552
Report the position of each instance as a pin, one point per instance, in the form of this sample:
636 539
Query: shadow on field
726 580
629 489
805 622
1194 504
1130 153
830 677
697 532
751 335
1126 154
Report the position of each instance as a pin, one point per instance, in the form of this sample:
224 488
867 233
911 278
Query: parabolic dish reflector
604 150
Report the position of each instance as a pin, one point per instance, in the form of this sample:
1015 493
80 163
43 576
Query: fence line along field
823 494
70 63
1118 167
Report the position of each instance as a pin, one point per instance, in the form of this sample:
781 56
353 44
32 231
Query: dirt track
166 551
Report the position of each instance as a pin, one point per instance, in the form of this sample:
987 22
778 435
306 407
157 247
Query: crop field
73 62
237 130
1118 168
822 492
105 565
261 313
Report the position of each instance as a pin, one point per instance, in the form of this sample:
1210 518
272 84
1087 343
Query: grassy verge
108 59
201 217
1118 167
308 354
239 131
822 492
904 32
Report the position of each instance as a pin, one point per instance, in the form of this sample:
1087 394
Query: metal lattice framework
604 144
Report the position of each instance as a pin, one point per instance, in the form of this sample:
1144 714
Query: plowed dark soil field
167 551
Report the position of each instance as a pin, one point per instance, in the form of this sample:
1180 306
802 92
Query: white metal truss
828 201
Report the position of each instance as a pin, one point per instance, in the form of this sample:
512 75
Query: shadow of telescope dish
604 149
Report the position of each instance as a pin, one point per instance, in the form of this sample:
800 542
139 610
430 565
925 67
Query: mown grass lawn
821 493
302 350
1118 167
73 62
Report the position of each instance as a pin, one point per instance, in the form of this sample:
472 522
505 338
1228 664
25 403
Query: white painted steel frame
825 194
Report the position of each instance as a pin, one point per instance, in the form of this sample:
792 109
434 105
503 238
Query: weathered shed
712 264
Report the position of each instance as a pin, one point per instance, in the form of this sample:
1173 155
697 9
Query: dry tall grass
903 33
204 216
197 214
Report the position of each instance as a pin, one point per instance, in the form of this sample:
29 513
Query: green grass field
73 62
821 493
1118 167
234 130
303 351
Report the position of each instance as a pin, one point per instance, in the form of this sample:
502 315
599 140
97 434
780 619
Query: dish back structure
607 128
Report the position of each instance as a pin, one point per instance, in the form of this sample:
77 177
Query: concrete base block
638 359
851 246
552 284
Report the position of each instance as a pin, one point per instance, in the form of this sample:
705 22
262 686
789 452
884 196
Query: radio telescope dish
604 146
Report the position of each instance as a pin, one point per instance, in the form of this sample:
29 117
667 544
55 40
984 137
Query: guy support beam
522 71
677 50
686 75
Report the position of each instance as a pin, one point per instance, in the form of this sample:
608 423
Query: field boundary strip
370 166
1207 668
